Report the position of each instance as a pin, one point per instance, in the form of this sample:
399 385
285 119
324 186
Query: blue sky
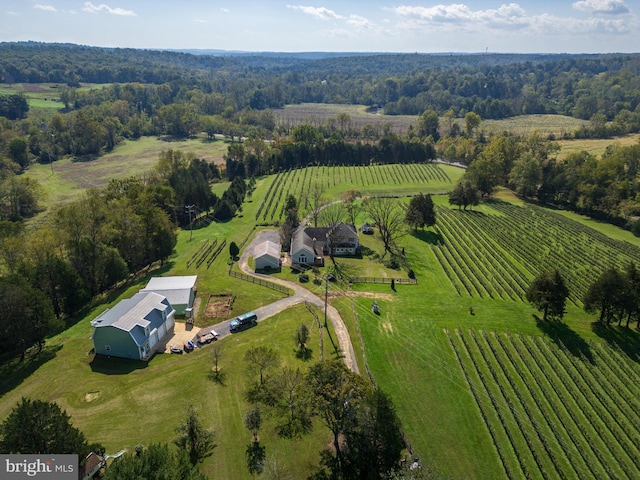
550 26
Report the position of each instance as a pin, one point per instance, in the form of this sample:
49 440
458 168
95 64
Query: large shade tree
389 217
607 296
36 426
548 293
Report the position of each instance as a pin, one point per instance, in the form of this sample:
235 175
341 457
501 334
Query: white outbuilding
267 255
180 291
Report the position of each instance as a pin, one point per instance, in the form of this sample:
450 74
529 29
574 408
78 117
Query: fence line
398 281
259 281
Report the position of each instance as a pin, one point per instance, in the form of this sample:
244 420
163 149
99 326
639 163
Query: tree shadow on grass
115 365
626 339
336 349
561 334
218 377
14 372
305 354
429 236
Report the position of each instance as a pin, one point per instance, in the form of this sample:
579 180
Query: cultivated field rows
552 413
496 256
300 182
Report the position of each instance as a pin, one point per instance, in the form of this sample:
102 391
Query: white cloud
513 17
13 14
506 16
613 7
91 8
358 21
321 13
224 10
46 8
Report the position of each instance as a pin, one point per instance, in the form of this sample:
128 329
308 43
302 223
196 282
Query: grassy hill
492 394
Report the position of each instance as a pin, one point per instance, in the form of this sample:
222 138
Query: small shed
267 256
180 291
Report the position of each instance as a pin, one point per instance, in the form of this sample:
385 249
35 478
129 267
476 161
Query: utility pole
189 210
326 294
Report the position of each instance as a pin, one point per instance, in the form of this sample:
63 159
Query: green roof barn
133 327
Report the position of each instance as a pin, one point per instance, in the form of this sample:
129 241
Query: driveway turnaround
301 295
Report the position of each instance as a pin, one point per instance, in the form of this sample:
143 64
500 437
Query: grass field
321 113
528 124
131 158
595 147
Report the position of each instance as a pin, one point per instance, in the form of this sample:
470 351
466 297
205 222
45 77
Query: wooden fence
398 281
260 281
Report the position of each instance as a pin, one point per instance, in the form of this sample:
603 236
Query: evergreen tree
549 293
35 427
194 438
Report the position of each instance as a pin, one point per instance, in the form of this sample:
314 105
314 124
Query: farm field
369 180
131 158
528 124
441 365
595 147
321 113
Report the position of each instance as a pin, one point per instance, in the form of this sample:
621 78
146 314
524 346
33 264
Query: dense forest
492 85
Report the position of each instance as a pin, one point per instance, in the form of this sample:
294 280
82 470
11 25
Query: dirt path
301 295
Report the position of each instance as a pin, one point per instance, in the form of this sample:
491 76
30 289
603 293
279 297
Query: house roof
134 314
176 289
343 229
267 248
300 240
171 283
319 233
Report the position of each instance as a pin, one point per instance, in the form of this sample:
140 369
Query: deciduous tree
389 218
261 360
420 212
337 393
27 316
606 296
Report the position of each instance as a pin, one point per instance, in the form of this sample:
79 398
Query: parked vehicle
207 337
175 349
243 321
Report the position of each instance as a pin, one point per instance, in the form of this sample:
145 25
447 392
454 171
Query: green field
131 158
369 180
493 394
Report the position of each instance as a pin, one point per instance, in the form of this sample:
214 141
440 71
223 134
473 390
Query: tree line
494 86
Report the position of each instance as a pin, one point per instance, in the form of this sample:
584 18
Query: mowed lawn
121 403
